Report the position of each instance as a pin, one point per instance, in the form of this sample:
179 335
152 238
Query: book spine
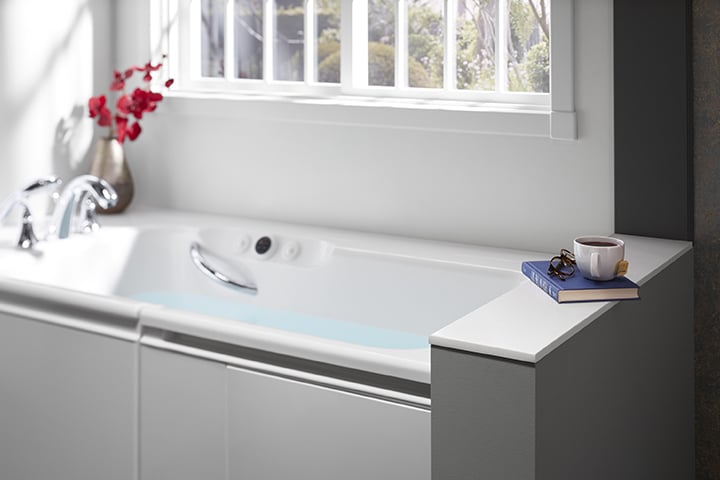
540 281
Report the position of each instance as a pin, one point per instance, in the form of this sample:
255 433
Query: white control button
291 250
242 244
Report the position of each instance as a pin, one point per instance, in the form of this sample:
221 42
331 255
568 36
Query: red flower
145 101
123 104
97 108
131 132
118 82
137 103
141 101
134 131
148 68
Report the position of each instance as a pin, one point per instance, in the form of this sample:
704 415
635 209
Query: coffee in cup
600 258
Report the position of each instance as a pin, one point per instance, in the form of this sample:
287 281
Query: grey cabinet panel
280 429
182 417
67 403
483 417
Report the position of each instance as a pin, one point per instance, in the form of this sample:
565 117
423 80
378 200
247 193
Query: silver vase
109 163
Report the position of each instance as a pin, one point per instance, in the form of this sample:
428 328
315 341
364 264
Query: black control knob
263 245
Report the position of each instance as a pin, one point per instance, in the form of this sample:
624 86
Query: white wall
522 192
49 53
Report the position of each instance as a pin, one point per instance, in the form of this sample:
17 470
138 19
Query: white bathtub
366 302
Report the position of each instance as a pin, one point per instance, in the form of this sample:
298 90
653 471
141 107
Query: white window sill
426 115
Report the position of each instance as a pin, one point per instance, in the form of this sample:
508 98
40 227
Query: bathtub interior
370 297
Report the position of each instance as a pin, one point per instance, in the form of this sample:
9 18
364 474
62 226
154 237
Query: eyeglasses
563 265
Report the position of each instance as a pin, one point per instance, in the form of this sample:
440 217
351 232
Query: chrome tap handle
27 239
20 196
27 233
41 183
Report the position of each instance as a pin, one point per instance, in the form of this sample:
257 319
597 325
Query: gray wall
706 72
653 124
667 163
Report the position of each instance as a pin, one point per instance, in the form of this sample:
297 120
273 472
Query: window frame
355 103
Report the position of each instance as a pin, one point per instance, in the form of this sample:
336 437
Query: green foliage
329 68
328 25
418 77
326 48
329 62
381 21
288 5
529 65
529 57
522 23
474 72
381 67
425 42
330 7
538 67
381 64
292 11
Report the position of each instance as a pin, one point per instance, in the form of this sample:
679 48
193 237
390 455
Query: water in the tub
316 326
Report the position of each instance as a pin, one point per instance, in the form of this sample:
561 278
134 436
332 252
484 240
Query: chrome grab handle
198 258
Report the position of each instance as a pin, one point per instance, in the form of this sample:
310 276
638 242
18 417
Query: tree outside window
476 31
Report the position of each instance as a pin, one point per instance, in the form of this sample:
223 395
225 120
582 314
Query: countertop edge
283 342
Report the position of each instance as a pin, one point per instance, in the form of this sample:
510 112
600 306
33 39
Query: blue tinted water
291 321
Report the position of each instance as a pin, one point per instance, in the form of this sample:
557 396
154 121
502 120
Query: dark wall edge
653 118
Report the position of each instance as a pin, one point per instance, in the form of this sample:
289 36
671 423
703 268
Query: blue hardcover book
578 288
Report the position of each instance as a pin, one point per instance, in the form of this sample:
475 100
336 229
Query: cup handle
595 264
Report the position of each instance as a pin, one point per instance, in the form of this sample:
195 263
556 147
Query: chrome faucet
27 233
75 209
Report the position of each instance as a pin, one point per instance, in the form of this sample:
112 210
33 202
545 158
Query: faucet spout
75 209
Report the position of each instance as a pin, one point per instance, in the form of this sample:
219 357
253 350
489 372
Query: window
460 54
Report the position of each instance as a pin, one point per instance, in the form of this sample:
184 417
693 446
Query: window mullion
346 50
191 28
269 40
563 123
354 44
450 55
501 46
230 40
172 33
401 44
310 38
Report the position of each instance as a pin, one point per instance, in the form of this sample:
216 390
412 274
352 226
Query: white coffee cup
600 258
